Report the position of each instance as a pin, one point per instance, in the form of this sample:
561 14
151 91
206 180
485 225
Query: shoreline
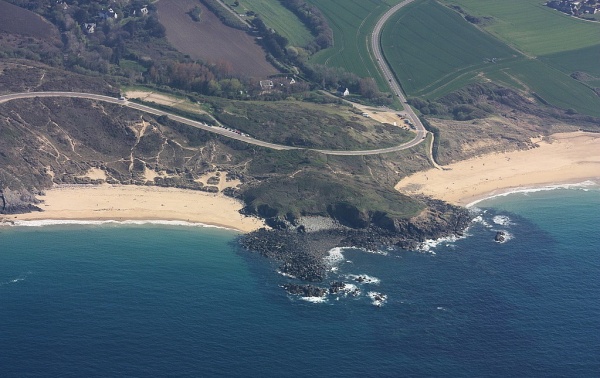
560 160
129 204
589 183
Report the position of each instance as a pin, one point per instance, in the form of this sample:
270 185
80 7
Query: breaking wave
58 222
585 185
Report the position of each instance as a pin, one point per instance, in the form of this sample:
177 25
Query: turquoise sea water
151 300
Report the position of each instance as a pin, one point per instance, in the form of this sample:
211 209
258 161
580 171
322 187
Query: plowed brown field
16 20
210 40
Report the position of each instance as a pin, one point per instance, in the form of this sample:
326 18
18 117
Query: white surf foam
314 299
377 252
483 222
429 244
378 299
334 257
363 278
585 185
285 274
502 220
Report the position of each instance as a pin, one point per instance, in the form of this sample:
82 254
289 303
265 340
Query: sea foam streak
585 185
59 222
22 277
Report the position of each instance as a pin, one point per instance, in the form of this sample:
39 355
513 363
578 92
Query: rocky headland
301 246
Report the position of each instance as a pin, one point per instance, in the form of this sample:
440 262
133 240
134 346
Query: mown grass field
279 18
434 51
352 22
532 27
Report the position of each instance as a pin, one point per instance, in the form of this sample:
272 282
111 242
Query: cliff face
17 202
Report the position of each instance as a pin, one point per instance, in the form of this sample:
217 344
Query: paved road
393 83
213 129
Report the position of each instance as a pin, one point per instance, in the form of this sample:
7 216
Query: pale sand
564 158
128 202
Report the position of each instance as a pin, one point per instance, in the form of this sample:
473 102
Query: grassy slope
352 22
279 18
434 51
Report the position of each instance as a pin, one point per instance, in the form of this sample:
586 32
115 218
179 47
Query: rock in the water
305 290
500 237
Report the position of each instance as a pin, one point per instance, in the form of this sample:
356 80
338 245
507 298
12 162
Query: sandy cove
561 158
128 202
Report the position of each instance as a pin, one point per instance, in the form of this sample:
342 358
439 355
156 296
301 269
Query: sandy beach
559 159
127 202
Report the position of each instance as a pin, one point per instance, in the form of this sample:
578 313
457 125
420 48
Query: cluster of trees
316 22
272 41
213 80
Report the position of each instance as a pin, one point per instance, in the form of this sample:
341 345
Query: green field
429 45
532 27
279 18
434 51
352 22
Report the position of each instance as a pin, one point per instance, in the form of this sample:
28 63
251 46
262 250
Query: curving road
217 130
393 83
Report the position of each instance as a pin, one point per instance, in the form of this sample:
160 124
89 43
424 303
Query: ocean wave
585 185
482 221
363 278
59 222
429 244
334 257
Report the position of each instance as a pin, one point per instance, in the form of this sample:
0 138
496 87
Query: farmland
434 51
532 27
210 40
428 44
352 22
17 20
279 18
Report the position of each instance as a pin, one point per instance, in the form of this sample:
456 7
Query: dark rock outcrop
500 237
305 290
301 253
